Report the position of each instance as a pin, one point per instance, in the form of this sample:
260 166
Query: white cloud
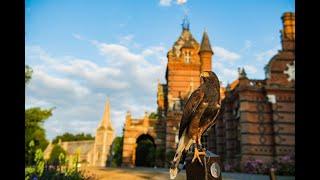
100 77
225 54
37 102
250 69
266 55
126 40
77 36
60 85
155 50
128 37
165 2
247 46
225 73
180 2
135 64
168 2
119 53
230 74
78 87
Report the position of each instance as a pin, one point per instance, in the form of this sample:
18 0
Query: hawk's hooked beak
204 74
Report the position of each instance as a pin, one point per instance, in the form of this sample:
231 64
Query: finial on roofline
242 73
185 22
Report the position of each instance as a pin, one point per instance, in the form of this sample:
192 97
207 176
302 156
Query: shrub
38 168
285 165
232 166
256 166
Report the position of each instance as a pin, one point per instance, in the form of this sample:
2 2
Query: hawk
199 114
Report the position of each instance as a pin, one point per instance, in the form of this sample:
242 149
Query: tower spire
205 43
205 53
106 122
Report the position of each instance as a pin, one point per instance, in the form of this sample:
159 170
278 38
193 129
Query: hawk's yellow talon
197 155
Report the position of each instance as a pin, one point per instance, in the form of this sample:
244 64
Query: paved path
141 173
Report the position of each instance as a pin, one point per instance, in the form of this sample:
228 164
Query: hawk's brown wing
189 109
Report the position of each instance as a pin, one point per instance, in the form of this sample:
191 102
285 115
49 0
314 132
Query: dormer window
187 57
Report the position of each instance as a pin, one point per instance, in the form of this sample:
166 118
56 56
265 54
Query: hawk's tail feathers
184 144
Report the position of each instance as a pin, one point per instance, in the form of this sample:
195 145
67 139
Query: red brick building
258 118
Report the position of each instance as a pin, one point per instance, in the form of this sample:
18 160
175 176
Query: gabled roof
185 40
187 44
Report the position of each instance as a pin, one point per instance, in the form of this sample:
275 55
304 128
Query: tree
117 151
153 115
72 137
34 132
34 118
56 155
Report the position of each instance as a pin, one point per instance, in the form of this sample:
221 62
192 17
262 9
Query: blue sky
83 51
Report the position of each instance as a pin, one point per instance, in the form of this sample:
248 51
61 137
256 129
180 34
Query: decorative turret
205 53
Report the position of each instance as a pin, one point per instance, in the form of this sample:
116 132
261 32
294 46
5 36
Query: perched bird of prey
199 114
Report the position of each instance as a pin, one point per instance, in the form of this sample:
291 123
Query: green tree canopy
153 115
34 131
117 151
34 118
55 154
72 137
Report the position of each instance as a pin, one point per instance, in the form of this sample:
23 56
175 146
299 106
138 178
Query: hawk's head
207 75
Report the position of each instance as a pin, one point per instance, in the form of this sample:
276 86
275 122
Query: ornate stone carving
290 71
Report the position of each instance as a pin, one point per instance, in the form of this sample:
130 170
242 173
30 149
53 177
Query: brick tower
186 60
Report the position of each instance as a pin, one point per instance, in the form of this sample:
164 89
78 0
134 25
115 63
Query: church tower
104 138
